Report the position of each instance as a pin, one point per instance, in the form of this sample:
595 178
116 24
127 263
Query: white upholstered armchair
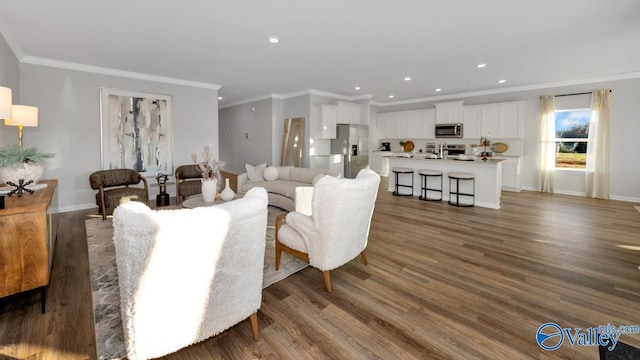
186 275
338 229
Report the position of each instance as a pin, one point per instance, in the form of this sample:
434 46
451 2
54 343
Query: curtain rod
582 93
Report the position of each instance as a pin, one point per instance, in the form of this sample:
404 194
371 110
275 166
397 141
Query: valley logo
550 336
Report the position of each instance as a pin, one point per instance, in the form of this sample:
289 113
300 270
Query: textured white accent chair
338 229
186 275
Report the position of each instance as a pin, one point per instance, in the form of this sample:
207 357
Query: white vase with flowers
210 174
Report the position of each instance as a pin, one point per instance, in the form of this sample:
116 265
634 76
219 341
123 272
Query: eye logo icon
549 336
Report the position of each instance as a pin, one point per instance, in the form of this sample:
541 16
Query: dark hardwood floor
442 283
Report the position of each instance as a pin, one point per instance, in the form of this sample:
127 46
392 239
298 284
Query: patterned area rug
106 293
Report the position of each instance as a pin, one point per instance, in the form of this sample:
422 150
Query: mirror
292 142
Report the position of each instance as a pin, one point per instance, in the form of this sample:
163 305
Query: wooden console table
29 226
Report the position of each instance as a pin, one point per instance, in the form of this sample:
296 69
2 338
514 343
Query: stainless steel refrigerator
352 141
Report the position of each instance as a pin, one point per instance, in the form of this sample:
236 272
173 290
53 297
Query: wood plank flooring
442 283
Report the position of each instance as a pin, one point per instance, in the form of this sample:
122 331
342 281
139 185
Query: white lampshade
5 102
23 115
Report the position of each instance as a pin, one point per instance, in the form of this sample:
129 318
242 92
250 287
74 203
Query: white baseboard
76 207
576 193
625 198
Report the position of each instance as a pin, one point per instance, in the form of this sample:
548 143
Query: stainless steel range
455 149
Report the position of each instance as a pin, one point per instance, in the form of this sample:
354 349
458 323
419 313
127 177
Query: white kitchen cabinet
449 112
348 113
429 124
409 124
328 120
503 120
511 174
472 121
490 121
387 125
511 119
380 162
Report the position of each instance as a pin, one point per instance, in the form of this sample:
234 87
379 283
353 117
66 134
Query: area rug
106 292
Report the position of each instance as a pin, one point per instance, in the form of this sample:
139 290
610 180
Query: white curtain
597 172
547 143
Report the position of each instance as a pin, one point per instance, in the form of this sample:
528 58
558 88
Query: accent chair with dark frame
187 182
113 185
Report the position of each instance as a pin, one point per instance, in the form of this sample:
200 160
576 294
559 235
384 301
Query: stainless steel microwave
448 130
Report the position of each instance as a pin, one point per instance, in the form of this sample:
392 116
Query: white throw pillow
271 173
254 173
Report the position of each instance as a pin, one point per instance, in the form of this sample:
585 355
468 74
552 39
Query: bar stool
405 171
424 182
457 177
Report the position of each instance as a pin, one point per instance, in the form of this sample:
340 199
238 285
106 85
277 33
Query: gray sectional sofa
282 191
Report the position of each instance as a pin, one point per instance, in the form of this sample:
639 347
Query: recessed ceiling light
502 81
480 66
274 39
391 96
407 78
438 89
219 97
357 88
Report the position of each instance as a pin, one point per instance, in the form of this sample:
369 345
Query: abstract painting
136 131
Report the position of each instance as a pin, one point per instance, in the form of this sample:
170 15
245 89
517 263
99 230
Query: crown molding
254 99
115 72
296 94
617 77
17 50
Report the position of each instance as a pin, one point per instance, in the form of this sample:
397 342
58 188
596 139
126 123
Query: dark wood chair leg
254 326
279 219
363 255
43 299
327 279
278 254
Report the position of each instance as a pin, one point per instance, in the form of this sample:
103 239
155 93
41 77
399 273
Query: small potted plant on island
21 167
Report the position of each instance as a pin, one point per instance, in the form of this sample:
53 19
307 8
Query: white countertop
453 159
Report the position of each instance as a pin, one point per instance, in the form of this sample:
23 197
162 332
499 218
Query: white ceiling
334 45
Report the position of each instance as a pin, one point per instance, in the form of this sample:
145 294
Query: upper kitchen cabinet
429 124
511 119
409 124
328 120
387 125
449 112
349 113
472 121
503 120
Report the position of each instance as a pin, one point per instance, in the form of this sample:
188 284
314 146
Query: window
572 134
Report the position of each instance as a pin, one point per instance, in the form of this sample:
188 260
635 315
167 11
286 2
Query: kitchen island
488 176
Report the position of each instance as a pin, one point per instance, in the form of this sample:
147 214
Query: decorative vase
209 189
28 171
227 194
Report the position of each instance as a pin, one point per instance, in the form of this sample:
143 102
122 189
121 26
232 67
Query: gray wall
624 132
69 124
9 77
255 119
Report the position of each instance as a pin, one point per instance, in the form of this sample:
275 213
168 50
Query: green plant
15 154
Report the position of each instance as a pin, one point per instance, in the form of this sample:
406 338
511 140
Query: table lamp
22 115
5 102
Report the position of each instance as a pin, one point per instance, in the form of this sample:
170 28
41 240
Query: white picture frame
136 131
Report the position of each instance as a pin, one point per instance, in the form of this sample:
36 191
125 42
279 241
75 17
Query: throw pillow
254 173
271 173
